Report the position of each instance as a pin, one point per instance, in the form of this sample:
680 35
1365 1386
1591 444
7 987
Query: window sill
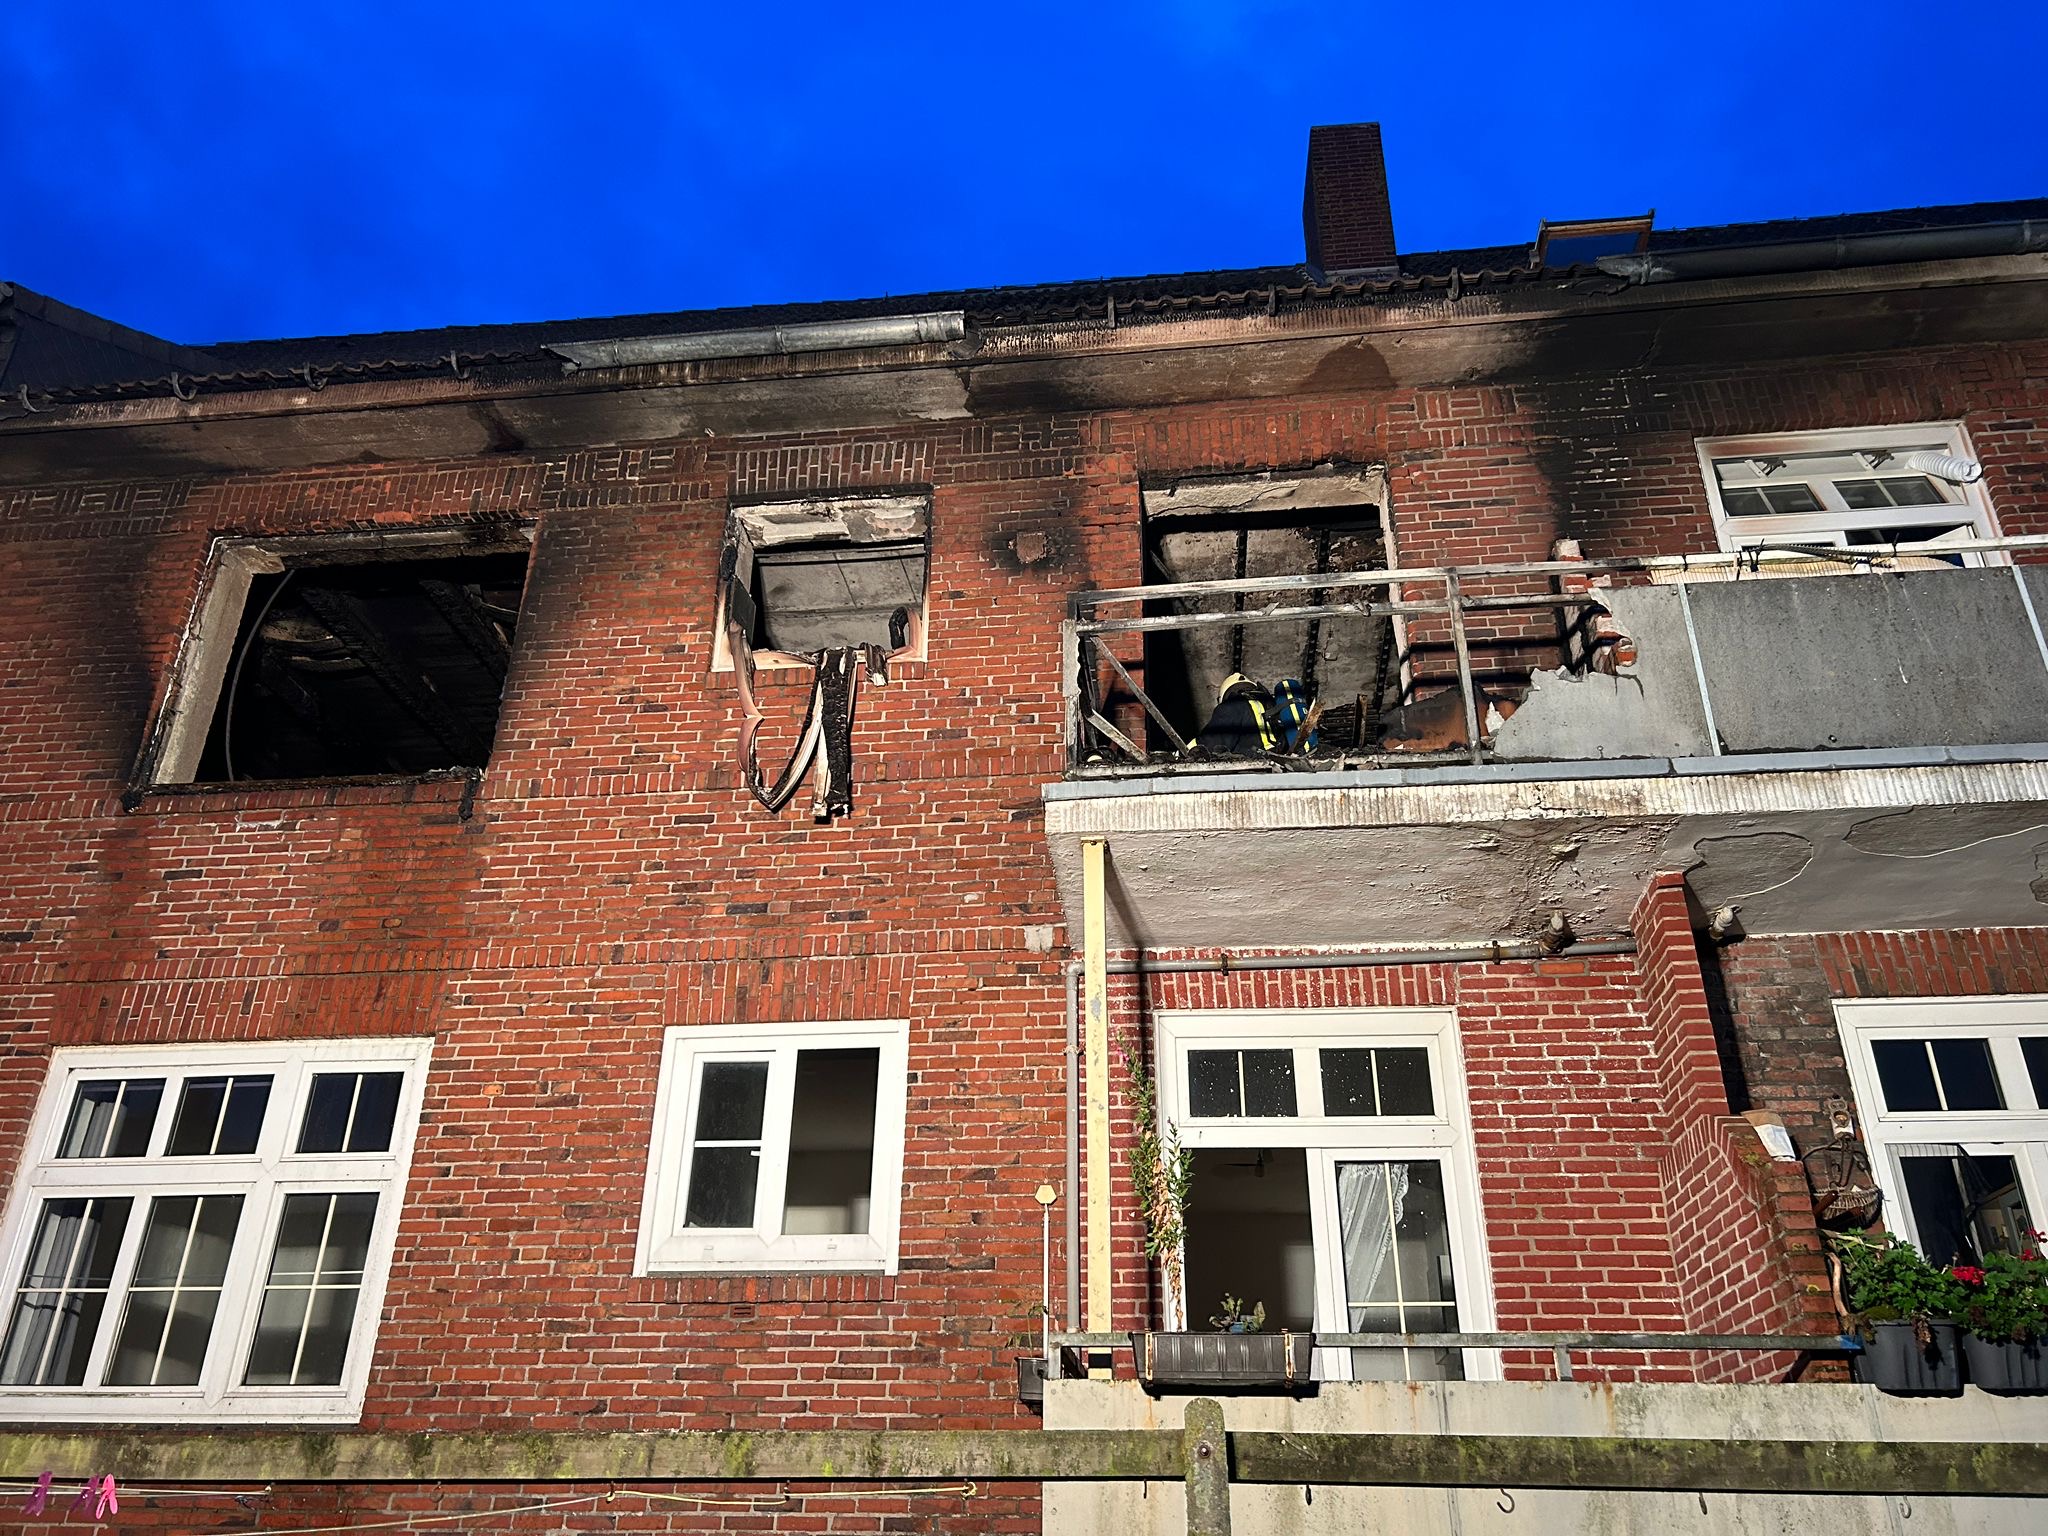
100 1406
442 786
712 1288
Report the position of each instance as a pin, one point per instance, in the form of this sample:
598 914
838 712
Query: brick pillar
1346 216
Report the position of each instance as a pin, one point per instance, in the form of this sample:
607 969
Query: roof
67 354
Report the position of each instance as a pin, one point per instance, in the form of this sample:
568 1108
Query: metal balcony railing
1483 631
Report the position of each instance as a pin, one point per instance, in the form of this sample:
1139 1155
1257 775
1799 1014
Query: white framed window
203 1231
1333 1178
1855 488
777 1147
1952 1094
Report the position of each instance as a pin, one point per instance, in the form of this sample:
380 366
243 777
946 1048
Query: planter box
1244 1362
1893 1360
2006 1366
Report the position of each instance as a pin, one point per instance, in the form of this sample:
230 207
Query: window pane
831 1142
1212 1085
1967 1080
1905 1074
351 1112
1422 1243
1347 1082
57 1309
722 1181
1268 1083
1791 498
2034 1050
309 1300
112 1118
219 1117
176 1291
1404 1082
731 1100
1739 502
327 1105
376 1112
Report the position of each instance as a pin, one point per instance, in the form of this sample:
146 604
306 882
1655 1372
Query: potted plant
1907 1309
1239 1354
2005 1310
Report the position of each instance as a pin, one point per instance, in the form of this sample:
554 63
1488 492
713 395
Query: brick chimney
1344 209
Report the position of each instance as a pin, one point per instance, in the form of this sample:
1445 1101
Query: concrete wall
1817 1412
1805 663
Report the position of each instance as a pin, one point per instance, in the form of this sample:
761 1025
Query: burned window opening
1343 664
833 587
326 662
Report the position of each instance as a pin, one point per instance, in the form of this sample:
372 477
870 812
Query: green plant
1886 1280
2006 1297
1234 1318
1161 1169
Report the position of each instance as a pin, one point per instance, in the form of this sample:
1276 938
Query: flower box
1245 1362
1895 1359
2006 1365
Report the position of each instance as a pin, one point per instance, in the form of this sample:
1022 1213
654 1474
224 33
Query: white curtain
1369 1200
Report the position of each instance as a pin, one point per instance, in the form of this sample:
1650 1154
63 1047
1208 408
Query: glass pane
1791 498
1268 1083
376 1112
722 1183
2034 1050
731 1099
1370 1197
59 1236
332 1315
278 1325
1935 1197
1212 1085
1740 502
1905 1074
164 1239
1347 1082
78 1323
1862 494
242 1125
199 1112
1422 1242
301 1232
142 1331
327 1106
112 1118
1404 1082
106 1222
28 1331
1915 491
831 1142
348 1238
185 1344
1967 1080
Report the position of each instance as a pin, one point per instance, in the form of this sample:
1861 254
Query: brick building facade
548 925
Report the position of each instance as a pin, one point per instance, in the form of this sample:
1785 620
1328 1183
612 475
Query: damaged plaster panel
1809 663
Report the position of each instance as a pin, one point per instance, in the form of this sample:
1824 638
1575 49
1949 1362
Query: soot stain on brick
1357 364
1036 548
1587 424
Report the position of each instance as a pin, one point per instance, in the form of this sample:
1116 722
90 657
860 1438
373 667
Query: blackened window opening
381 667
818 595
1347 663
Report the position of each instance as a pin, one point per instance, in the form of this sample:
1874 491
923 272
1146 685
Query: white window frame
2019 1131
1831 525
263 1179
1445 1136
667 1247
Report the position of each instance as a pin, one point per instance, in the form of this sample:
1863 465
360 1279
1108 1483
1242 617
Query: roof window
1581 242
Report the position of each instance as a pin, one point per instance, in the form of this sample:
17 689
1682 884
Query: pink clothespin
39 1496
108 1501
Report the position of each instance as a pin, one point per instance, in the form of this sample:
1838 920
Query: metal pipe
1334 960
772 341
2012 238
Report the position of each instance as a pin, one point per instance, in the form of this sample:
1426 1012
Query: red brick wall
615 879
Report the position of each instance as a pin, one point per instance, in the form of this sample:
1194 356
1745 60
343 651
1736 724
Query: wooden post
1206 1452
1095 1037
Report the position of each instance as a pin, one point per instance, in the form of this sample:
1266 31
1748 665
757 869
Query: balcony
1821 738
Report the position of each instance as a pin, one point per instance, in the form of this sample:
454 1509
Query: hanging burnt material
833 587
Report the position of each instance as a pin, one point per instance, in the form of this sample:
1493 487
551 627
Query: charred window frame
1332 519
420 621
825 572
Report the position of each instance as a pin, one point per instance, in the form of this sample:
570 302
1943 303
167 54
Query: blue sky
212 171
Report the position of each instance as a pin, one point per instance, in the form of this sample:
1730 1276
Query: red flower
1969 1274
2030 1254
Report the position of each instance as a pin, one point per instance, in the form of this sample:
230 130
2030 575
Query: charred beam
408 687
462 609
